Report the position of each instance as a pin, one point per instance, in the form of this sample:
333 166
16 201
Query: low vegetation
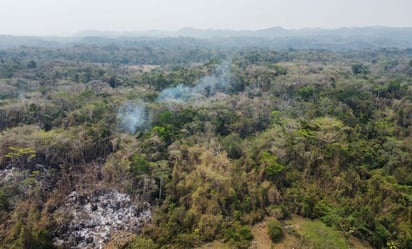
275 231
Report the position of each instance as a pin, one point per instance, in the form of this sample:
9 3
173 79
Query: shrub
4 201
186 240
139 165
275 231
141 243
239 236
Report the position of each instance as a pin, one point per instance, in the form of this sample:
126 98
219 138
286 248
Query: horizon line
130 32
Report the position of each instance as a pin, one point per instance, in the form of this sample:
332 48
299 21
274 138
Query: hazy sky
65 17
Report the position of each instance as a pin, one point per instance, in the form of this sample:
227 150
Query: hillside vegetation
212 141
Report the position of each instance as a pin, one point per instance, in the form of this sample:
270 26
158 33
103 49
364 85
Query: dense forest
179 145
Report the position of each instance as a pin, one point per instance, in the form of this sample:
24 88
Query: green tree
31 64
275 231
360 68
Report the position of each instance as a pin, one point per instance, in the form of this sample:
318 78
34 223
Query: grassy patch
322 236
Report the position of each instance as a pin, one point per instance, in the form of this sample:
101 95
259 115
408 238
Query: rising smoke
178 94
136 116
206 86
133 117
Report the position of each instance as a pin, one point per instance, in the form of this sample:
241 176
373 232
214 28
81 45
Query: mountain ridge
345 38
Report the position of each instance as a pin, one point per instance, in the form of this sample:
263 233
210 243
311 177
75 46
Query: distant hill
275 37
10 41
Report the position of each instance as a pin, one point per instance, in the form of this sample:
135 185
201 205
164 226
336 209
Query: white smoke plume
206 86
133 117
178 94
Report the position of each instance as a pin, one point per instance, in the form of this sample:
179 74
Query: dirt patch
214 245
263 241
357 244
